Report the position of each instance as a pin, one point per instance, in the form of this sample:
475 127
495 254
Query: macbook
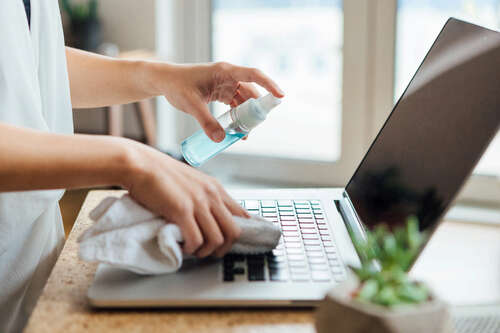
427 148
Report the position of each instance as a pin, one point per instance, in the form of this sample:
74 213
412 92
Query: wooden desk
63 306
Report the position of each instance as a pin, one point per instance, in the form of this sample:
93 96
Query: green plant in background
80 11
385 259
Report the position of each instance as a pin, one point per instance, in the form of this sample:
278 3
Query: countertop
462 263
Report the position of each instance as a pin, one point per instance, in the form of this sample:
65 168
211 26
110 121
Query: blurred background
342 64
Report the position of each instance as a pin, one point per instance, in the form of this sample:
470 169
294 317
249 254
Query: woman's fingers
229 228
209 124
247 90
211 233
246 74
193 238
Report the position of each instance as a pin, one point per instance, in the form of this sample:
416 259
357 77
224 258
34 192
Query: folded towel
128 236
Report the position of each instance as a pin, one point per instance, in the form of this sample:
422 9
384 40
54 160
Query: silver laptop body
427 148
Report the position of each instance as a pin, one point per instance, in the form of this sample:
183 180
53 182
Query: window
303 55
342 64
414 36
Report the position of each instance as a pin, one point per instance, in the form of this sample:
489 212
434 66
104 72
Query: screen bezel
439 219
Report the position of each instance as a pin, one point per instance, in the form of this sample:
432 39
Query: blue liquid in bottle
237 123
198 148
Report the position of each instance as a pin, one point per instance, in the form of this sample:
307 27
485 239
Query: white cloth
34 93
128 236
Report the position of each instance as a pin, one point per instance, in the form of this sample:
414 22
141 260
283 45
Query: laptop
427 148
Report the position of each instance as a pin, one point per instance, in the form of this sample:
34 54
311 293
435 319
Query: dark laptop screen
436 133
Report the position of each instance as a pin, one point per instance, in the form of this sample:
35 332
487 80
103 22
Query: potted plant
84 23
379 296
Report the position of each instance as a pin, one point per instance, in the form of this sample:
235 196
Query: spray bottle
237 123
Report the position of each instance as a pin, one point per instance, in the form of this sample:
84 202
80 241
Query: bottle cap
268 102
254 111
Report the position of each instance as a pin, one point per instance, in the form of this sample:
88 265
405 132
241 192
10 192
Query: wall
131 25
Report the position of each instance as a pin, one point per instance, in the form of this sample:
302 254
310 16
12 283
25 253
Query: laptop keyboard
306 251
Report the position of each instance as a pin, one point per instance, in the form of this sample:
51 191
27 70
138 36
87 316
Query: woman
40 81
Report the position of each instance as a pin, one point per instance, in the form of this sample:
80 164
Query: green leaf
386 297
368 290
413 293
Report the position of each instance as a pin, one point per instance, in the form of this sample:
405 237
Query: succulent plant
385 259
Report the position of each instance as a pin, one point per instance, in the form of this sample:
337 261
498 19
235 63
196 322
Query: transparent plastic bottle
237 123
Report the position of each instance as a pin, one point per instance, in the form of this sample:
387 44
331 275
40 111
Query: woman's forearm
97 80
34 160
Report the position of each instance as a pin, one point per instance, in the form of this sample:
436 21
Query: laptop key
285 209
311 242
251 204
256 277
289 239
293 245
228 277
291 223
282 213
320 276
315 254
276 253
309 236
300 277
280 259
334 262
291 233
268 204
294 251
317 261
289 228
299 270
276 265
285 203
288 218
319 267
295 257
297 264
312 248
239 270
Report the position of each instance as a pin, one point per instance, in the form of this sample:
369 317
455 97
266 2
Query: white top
34 93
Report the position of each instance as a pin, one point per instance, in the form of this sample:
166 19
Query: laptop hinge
350 217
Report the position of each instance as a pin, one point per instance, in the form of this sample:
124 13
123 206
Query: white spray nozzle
268 102
254 111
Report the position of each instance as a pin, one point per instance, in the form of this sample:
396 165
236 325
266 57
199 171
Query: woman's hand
197 203
190 87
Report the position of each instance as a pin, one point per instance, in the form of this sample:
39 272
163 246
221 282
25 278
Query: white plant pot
340 313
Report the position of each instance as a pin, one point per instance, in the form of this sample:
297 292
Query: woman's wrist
127 163
157 76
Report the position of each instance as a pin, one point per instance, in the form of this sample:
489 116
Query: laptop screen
435 134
